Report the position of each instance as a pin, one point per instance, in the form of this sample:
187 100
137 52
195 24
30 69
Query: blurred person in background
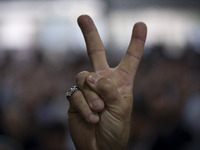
53 137
7 143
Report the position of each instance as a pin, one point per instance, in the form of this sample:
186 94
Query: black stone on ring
70 92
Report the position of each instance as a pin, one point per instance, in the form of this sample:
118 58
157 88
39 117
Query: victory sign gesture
100 109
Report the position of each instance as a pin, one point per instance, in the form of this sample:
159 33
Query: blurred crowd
33 107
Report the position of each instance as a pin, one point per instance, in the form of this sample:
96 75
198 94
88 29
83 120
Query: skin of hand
100 112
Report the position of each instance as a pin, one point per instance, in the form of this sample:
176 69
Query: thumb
105 88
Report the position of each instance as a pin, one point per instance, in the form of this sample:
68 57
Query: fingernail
95 103
93 78
93 118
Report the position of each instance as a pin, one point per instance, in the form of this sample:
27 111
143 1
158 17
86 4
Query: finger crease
133 55
123 70
138 40
95 51
99 69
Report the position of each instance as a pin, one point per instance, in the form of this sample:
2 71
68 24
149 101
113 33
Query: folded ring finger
95 103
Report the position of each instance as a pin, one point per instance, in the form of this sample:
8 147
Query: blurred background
42 49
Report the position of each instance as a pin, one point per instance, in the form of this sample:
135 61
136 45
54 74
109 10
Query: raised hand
100 112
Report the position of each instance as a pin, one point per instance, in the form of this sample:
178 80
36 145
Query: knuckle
80 77
82 74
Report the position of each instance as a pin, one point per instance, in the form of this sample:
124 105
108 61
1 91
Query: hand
100 112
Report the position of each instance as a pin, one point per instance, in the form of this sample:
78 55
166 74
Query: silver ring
70 92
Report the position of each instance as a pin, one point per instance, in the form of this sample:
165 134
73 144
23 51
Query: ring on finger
70 92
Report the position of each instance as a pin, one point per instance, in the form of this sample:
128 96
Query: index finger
95 48
131 60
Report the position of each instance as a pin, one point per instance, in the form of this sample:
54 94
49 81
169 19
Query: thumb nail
93 78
